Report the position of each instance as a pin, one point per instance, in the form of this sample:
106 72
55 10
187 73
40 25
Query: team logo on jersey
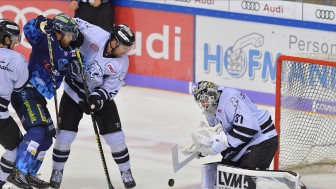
111 68
94 74
234 101
5 67
94 47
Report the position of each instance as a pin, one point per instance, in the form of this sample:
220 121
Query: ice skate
36 182
127 178
56 178
18 179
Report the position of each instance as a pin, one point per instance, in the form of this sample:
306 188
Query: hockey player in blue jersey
50 60
106 64
13 75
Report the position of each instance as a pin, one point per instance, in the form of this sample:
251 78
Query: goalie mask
206 95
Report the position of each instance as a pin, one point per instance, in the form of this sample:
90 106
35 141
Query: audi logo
186 1
325 14
20 16
250 5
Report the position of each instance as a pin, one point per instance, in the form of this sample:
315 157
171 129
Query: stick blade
176 164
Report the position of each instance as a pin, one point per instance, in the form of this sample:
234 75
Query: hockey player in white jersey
13 75
250 136
105 62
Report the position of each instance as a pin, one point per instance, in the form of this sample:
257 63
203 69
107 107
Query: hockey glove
219 142
95 102
78 42
84 106
72 69
45 24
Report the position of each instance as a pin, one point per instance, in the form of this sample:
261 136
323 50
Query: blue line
228 15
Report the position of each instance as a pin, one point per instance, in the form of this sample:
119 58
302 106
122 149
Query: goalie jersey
101 73
13 75
243 122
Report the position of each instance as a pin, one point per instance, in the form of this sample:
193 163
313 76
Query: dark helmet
8 28
206 90
123 34
65 23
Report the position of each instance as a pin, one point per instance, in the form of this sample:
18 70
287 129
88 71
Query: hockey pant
10 137
109 125
31 108
258 157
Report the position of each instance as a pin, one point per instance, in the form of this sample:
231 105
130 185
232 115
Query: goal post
305 113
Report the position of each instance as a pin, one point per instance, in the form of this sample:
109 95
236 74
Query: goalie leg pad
209 176
10 135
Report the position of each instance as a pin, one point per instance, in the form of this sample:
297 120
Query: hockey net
305 113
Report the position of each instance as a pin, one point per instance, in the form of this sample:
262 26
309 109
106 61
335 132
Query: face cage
74 35
18 37
206 99
126 48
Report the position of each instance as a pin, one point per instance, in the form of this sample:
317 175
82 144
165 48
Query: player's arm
243 124
22 74
35 28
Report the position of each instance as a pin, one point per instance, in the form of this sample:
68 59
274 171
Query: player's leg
110 127
31 108
259 156
32 177
10 137
70 116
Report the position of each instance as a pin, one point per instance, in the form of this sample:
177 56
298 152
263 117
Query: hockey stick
54 80
94 123
176 164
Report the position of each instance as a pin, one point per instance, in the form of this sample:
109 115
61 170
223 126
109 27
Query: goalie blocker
217 176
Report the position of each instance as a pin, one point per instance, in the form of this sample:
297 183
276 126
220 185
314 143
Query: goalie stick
176 164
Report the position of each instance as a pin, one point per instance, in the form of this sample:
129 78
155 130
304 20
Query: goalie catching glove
207 140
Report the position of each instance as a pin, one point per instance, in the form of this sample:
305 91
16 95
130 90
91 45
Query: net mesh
308 115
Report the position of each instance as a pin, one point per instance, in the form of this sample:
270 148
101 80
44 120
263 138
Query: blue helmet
64 23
